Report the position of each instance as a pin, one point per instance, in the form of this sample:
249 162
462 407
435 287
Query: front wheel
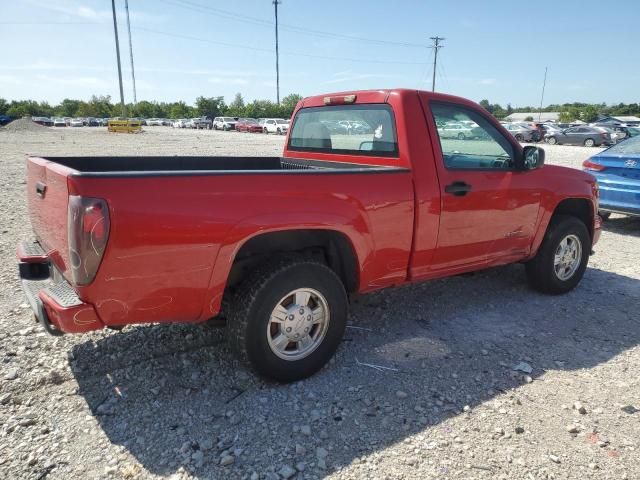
562 258
589 142
519 137
552 140
461 136
287 318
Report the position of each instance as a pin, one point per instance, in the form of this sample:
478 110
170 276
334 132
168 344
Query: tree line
104 107
569 112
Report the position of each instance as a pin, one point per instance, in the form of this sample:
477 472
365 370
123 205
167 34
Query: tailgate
48 196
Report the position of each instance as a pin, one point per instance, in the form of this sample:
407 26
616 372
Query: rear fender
356 229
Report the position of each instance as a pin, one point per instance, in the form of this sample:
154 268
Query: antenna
544 83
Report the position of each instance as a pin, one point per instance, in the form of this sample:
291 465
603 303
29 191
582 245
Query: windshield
281 122
348 129
228 119
629 146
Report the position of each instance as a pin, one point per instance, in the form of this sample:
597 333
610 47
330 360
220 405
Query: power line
133 72
436 47
267 50
186 4
275 4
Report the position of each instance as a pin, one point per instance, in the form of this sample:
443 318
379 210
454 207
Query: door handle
459 189
40 189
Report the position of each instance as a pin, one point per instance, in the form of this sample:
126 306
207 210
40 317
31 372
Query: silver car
520 132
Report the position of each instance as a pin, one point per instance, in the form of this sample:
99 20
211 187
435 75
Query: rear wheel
519 137
279 131
552 140
461 136
589 142
562 258
225 128
264 130
287 318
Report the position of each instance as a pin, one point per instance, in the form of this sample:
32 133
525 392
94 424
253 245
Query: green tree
486 105
68 108
4 106
237 107
570 114
589 113
288 104
210 107
529 119
180 110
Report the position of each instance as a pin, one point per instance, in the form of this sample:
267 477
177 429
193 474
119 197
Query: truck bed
142 166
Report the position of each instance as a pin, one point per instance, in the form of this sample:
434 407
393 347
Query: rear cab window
361 129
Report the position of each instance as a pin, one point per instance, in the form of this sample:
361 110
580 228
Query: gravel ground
478 378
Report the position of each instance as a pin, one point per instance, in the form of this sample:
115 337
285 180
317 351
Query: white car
275 125
59 122
455 130
224 123
180 123
154 122
76 122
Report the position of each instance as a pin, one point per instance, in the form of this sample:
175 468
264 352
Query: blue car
617 170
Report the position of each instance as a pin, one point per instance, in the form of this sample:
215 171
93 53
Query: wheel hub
298 323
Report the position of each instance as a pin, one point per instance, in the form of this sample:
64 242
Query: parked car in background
520 132
76 122
190 123
91 122
203 123
334 127
355 127
166 122
248 125
549 128
617 170
180 123
59 122
456 130
224 123
4 119
154 122
587 136
44 121
633 131
275 125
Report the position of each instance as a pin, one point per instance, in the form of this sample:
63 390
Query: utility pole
436 47
544 83
115 29
275 4
133 72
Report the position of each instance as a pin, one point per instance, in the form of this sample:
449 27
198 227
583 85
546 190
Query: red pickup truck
275 245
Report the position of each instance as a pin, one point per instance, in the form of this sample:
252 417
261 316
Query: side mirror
532 157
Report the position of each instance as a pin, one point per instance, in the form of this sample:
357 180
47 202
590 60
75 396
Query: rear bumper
54 302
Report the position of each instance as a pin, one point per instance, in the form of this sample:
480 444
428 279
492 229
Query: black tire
279 132
604 215
225 128
254 301
589 142
461 136
540 270
264 130
552 140
519 137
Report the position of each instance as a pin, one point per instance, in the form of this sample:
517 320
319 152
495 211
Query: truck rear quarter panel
173 238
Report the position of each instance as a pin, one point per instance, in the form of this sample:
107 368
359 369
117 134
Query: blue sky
52 49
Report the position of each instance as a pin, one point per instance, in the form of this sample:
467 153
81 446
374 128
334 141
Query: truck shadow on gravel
174 397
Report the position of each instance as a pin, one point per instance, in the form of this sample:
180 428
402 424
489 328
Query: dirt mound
22 125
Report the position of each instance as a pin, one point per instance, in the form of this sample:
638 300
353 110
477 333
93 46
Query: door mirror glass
533 157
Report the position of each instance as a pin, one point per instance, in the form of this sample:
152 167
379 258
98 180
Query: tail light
593 166
88 231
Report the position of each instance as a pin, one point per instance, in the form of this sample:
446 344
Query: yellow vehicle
124 126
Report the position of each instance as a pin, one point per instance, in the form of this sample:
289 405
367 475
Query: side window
476 144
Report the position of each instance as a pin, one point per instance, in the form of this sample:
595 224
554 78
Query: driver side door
488 208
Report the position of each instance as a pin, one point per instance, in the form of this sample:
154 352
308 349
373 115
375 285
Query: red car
276 245
248 125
